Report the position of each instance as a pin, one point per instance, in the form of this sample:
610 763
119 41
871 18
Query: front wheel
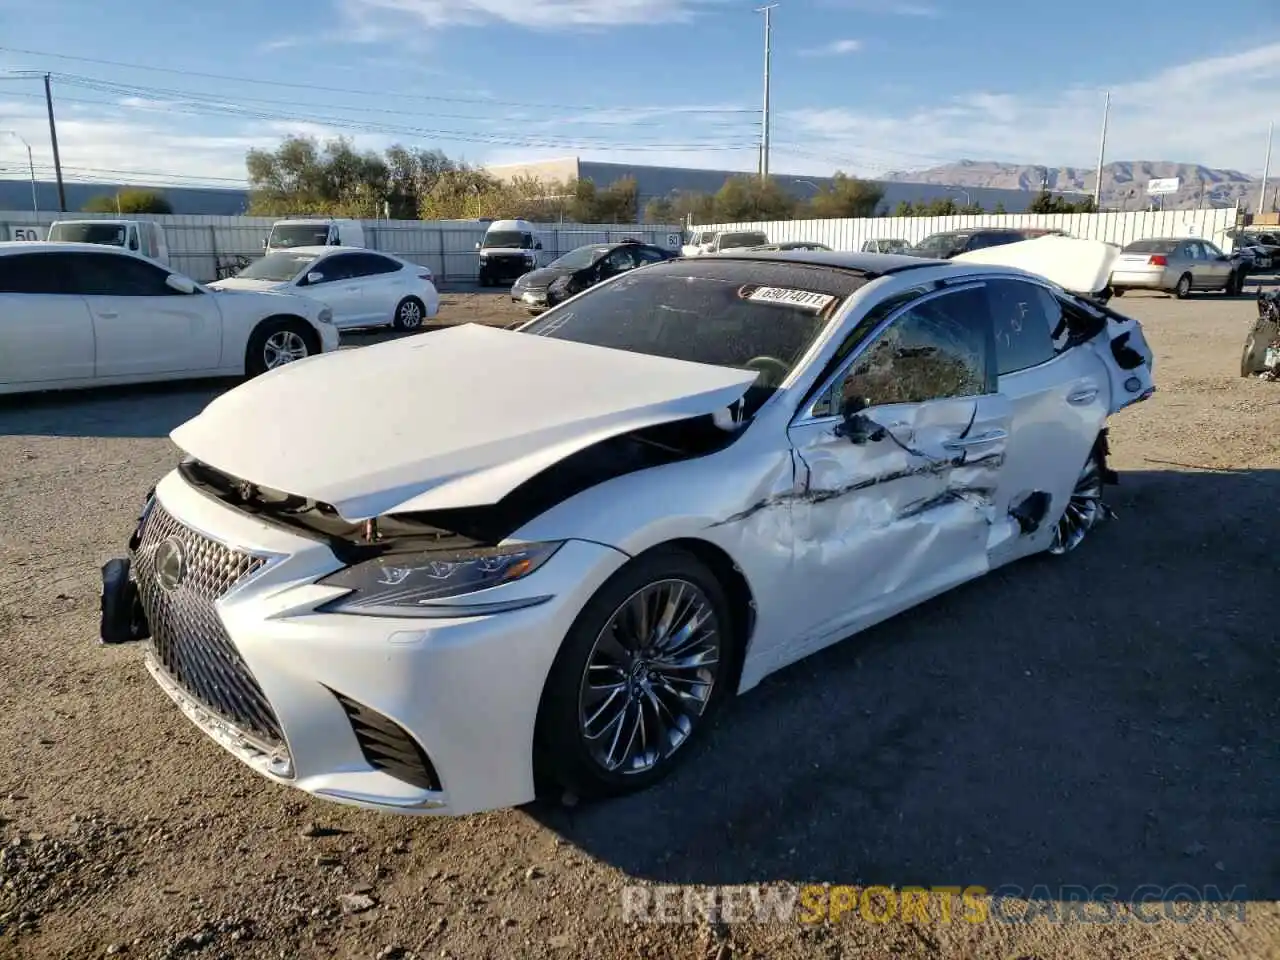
638 677
1182 289
278 342
1235 284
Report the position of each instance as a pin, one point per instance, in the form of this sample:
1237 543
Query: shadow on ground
1106 718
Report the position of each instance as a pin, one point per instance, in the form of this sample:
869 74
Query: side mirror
477 245
537 245
315 276
855 425
176 281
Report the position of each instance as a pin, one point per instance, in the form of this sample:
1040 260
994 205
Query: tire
1085 509
1117 291
485 280
277 335
1235 284
409 315
1253 358
1182 289
564 754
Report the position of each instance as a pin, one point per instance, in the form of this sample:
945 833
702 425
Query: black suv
584 267
952 243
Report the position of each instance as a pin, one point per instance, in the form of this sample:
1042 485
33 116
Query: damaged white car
600 526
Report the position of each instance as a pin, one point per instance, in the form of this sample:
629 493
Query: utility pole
53 138
1102 151
764 132
1266 169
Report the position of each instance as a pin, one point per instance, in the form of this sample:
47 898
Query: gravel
1107 719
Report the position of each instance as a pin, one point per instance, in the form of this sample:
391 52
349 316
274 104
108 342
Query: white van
320 232
142 236
699 242
509 250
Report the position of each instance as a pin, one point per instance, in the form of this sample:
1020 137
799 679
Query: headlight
408 585
325 315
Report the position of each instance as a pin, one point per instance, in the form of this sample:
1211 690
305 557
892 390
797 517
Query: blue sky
860 85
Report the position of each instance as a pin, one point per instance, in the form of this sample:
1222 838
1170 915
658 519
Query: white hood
244 283
1081 266
455 418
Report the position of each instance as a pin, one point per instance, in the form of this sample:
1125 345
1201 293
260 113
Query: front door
141 324
884 524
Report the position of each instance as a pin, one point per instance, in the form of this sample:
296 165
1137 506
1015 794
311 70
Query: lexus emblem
171 563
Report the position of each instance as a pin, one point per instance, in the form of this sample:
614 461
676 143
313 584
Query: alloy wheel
1084 510
283 346
649 677
410 315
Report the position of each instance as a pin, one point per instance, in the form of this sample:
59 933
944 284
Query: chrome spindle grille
187 635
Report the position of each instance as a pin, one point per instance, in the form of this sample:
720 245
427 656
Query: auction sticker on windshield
791 298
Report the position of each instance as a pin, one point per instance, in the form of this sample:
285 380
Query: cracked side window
937 349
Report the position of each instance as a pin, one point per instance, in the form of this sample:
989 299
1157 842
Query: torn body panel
882 525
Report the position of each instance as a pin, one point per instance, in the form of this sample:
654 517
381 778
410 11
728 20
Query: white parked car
363 288
86 314
639 504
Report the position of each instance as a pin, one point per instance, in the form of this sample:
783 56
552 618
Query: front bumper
329 337
535 300
339 705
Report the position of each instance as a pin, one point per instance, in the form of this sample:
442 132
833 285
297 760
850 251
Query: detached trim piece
389 747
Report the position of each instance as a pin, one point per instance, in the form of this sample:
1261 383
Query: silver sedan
1175 265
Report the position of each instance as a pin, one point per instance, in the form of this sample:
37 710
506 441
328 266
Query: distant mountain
1124 183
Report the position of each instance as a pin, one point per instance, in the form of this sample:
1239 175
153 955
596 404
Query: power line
382 94
230 109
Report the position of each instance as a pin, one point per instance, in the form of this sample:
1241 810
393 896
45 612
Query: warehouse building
656 182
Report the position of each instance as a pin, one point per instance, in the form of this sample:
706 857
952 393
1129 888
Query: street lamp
31 165
968 201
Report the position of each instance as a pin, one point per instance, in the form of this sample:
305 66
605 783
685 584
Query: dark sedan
582 268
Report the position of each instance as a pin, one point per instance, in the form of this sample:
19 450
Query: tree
904 209
746 198
129 201
1045 202
846 197
999 209
300 176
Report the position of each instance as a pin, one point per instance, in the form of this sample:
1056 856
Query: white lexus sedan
76 315
635 506
363 288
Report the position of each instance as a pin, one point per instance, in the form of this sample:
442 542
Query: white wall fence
206 247
1121 228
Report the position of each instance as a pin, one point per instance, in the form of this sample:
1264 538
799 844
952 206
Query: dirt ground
1108 719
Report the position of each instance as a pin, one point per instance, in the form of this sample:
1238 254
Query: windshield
108 233
1151 246
581 257
299 235
725 313
941 245
507 238
277 267
734 241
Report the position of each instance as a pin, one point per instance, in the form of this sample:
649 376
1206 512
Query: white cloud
1193 112
371 16
837 48
894 8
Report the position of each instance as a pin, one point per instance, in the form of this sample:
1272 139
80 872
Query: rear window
734 241
1151 246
